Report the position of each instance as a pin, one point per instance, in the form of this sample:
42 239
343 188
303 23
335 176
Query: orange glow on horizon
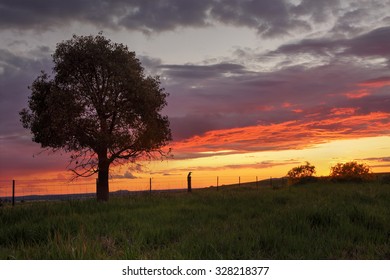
229 168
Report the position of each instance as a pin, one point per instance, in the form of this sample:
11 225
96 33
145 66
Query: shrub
351 172
301 174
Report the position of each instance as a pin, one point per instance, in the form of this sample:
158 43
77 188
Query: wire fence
22 190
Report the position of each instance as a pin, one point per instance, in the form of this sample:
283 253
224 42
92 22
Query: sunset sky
256 87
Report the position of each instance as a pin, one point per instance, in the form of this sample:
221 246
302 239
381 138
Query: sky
256 87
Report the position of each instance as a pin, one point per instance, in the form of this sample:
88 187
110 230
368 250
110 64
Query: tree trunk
102 190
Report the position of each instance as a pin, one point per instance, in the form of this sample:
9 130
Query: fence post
239 181
189 189
13 192
217 182
257 183
150 185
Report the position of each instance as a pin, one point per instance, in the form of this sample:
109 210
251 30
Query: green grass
313 221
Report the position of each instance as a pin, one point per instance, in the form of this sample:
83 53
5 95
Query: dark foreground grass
314 221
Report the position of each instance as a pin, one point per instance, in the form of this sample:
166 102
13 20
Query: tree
301 173
351 172
99 106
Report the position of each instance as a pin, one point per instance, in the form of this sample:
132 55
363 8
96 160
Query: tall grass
313 221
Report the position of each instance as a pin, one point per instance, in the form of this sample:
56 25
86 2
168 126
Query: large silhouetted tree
99 106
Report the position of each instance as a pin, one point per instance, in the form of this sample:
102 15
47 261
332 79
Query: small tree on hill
351 172
99 106
301 174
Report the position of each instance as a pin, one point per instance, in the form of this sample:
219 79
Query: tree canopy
351 172
100 106
301 174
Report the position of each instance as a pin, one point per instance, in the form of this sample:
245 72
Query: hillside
313 221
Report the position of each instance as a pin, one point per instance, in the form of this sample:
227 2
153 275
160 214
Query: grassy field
313 221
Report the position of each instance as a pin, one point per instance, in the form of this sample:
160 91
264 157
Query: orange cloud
376 83
341 124
343 111
367 87
297 111
357 94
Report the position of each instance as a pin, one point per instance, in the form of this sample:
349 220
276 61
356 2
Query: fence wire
58 189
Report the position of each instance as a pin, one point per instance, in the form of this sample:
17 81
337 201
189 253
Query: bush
301 174
351 172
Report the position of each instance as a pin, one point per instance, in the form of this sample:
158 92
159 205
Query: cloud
346 83
287 135
318 10
44 15
327 83
20 153
16 75
381 159
270 18
246 98
203 71
18 72
373 43
126 175
357 17
156 16
376 83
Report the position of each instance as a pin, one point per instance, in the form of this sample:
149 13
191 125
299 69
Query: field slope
313 221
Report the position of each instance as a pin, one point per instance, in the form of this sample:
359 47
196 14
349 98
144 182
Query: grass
313 221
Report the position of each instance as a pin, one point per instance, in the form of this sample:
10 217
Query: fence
14 191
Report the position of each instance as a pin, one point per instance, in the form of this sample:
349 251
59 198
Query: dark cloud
149 16
146 16
318 10
269 17
45 15
322 46
17 72
373 43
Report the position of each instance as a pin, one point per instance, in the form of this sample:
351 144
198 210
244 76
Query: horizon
256 88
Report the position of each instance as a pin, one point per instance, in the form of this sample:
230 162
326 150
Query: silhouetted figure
189 182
